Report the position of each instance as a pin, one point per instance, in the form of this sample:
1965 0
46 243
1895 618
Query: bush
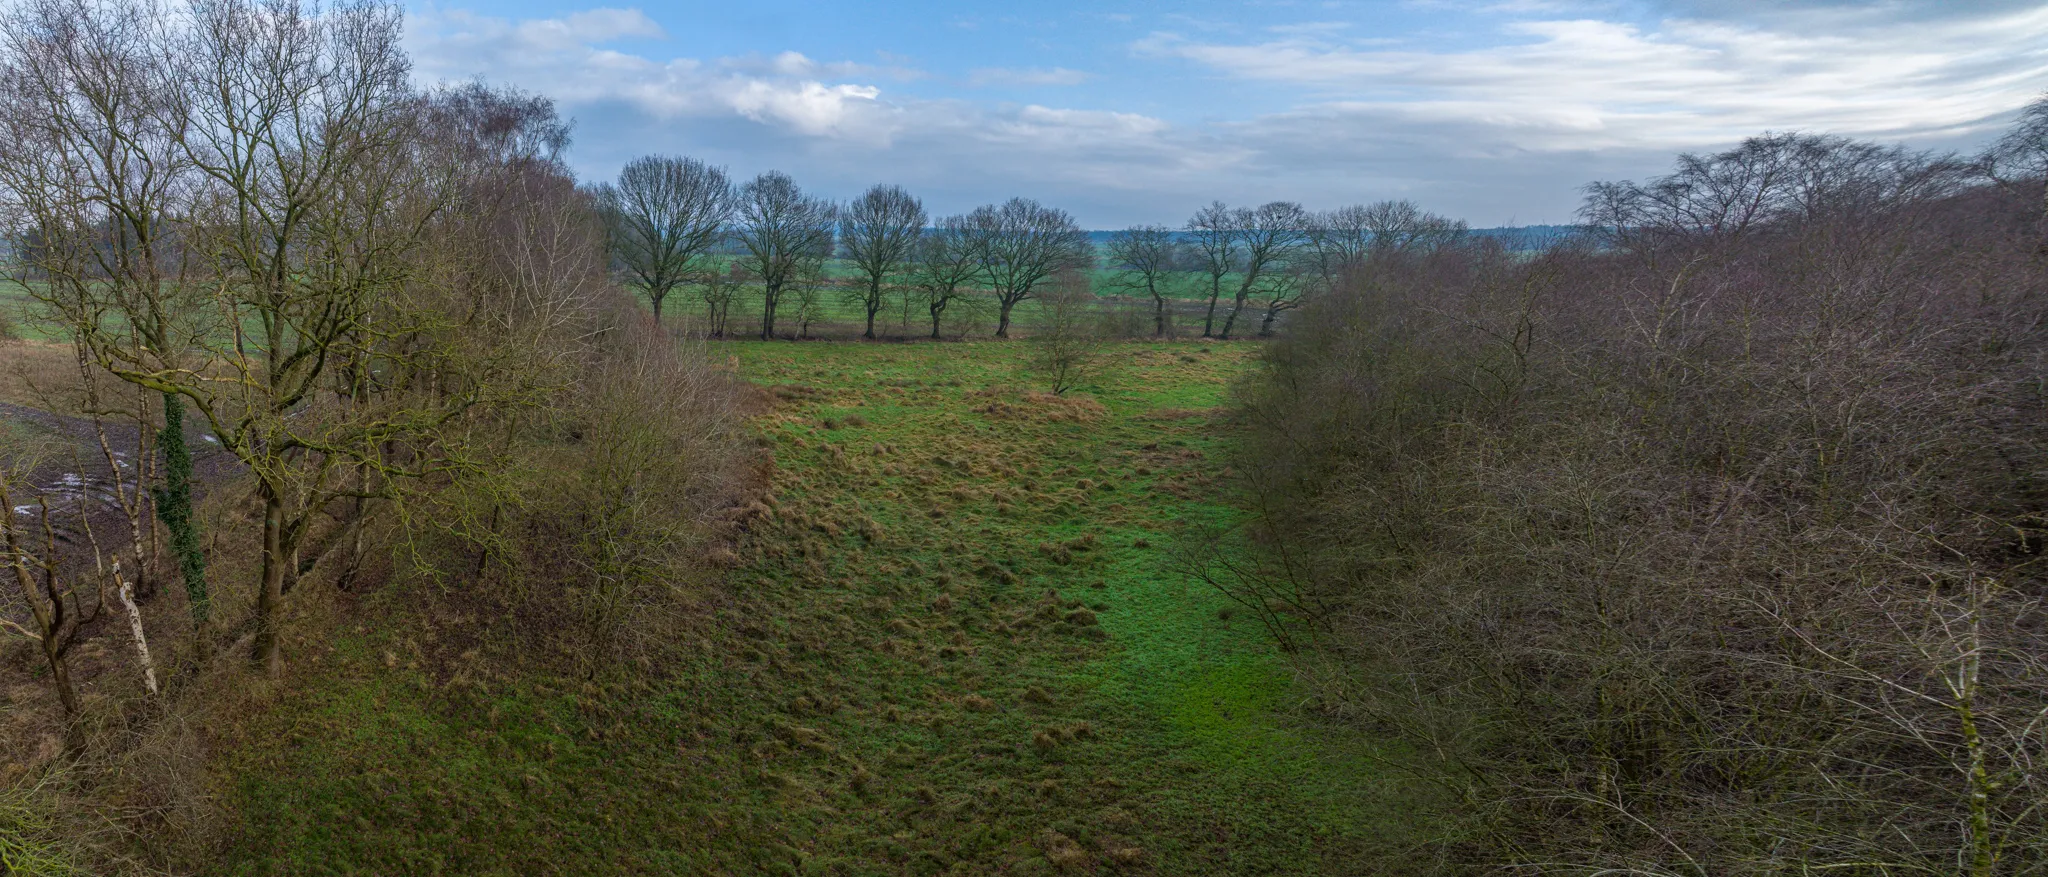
1066 340
1710 550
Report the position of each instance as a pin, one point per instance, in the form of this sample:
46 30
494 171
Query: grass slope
951 648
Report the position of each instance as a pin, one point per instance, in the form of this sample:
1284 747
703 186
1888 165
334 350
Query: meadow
949 642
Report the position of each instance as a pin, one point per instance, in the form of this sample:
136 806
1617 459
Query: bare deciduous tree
1284 290
1145 258
1340 242
786 233
1404 227
97 153
2020 157
52 602
1213 236
1021 244
1067 338
719 289
879 232
664 213
1713 552
268 189
1269 236
946 264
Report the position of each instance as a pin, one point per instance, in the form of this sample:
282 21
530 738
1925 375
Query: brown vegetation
400 326
1711 548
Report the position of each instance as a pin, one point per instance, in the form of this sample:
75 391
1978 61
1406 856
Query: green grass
954 648
17 309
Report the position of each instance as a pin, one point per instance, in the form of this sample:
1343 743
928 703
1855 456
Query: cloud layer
1504 126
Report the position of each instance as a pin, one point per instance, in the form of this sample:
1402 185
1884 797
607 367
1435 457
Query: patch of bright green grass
954 647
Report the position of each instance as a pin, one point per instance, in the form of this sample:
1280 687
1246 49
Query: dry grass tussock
1714 551
1043 407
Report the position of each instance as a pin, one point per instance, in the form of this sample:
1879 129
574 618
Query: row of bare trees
1715 548
1271 258
670 218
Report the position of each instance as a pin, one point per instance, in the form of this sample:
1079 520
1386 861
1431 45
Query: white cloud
788 100
1317 113
1011 76
1583 83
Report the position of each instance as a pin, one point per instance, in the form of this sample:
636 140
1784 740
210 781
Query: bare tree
269 190
809 292
1145 258
1338 241
1723 198
946 264
53 605
1020 244
1270 236
786 235
2021 157
664 213
86 87
1284 290
1404 227
1067 340
718 289
127 489
879 232
1213 237
1716 552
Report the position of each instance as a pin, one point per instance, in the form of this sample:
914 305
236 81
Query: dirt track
70 471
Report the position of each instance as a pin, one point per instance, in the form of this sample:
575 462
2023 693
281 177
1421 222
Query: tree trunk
1266 328
1209 322
267 652
874 306
135 631
174 508
1235 308
1158 316
60 673
45 602
768 296
1003 321
656 298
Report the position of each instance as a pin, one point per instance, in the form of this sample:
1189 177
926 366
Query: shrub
1712 549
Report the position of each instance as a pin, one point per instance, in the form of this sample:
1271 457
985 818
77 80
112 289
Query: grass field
953 647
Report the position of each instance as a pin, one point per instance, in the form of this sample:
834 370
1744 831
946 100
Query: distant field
17 309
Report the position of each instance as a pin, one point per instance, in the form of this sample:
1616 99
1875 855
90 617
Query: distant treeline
674 222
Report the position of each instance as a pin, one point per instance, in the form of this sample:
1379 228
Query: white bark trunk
127 594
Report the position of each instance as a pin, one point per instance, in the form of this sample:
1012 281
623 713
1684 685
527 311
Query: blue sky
1495 111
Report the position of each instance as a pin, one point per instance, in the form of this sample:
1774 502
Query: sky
1122 112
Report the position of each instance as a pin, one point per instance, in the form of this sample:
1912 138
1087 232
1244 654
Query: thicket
390 308
1711 544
